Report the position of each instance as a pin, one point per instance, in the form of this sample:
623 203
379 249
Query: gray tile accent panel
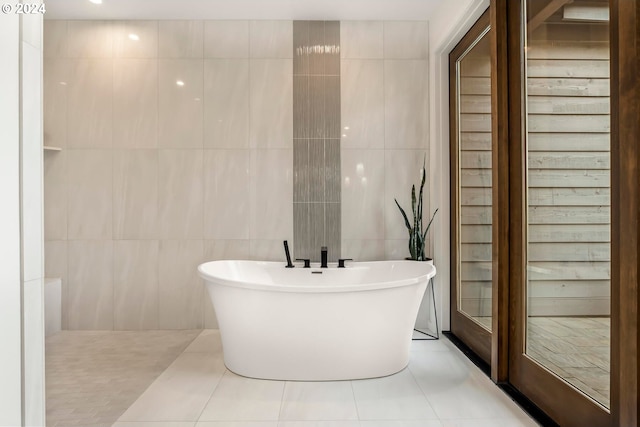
300 41
316 42
316 107
332 170
333 230
301 235
332 107
300 106
316 229
300 170
316 170
332 39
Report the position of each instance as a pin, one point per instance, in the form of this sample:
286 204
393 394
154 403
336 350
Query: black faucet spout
323 257
286 252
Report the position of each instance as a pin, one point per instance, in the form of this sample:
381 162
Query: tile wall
156 176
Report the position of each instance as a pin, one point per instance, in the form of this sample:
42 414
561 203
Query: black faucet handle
307 262
342 260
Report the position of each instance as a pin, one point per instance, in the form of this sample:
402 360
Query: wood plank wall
569 177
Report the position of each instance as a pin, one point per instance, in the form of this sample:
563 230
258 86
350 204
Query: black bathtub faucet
323 257
286 252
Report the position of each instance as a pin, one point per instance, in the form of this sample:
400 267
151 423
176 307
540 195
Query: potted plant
417 235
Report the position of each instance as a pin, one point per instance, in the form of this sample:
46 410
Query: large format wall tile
180 194
55 195
55 265
271 194
362 187
55 99
406 103
89 39
135 103
135 194
180 103
135 284
406 39
226 97
135 39
90 194
181 39
180 290
362 98
55 39
361 39
271 250
90 104
271 103
363 250
226 39
90 289
226 189
402 170
226 249
270 39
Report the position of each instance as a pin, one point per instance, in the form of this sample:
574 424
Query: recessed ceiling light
134 37
180 83
96 1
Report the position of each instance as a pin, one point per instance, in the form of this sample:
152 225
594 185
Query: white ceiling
244 9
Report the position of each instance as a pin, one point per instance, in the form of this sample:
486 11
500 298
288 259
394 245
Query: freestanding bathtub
316 324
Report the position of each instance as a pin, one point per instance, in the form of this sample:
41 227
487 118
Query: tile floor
440 388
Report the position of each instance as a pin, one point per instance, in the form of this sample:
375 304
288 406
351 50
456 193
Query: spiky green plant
417 237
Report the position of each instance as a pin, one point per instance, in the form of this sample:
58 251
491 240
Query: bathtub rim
273 287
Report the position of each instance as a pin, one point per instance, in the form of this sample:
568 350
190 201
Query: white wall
449 24
10 311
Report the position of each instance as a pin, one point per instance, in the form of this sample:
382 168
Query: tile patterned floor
440 388
93 377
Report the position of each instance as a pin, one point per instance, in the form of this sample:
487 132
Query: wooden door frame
471 333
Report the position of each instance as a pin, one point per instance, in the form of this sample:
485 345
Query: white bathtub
294 324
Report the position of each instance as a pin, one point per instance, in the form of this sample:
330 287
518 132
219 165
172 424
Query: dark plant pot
430 260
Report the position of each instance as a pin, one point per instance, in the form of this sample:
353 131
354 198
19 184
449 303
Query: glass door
560 349
471 189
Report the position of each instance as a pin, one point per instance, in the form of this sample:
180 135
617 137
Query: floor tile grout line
284 388
355 401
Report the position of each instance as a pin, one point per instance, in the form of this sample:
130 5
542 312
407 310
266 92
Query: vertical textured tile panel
271 103
226 189
180 39
332 107
316 170
332 48
135 39
180 107
90 103
300 106
180 194
135 103
90 290
135 284
54 39
226 39
406 106
301 233
180 288
55 100
406 39
55 195
135 194
317 236
300 170
332 170
362 103
89 39
333 232
270 39
300 45
317 117
90 194
226 103
361 39
272 194
316 44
